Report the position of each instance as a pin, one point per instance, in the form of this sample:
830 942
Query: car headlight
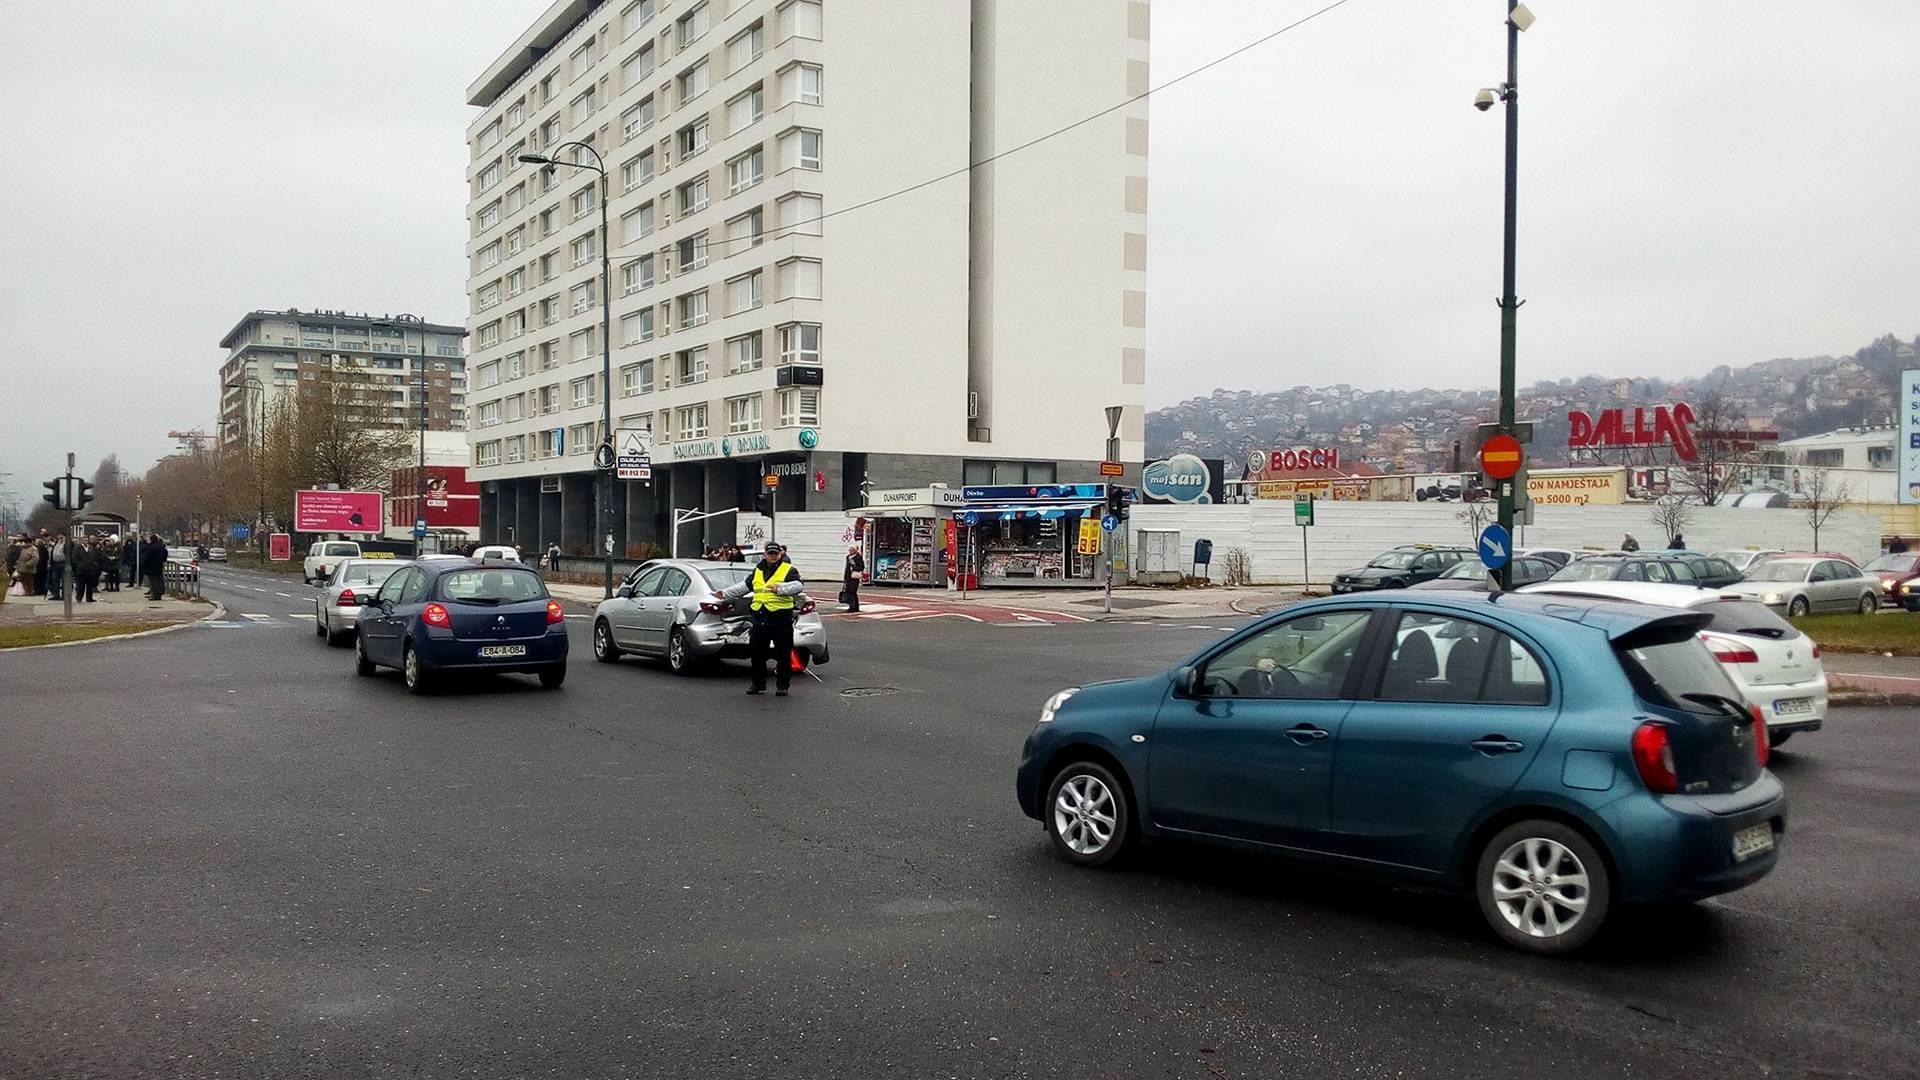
1772 598
1055 702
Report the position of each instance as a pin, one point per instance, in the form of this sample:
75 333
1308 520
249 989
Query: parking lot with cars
333 876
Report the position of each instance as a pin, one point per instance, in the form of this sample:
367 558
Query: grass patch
252 561
13 637
1898 634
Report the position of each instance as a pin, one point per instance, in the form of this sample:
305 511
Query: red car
1899 579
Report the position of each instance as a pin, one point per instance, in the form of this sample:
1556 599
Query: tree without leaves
1719 461
328 431
1672 512
1824 493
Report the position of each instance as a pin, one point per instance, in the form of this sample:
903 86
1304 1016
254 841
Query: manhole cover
869 691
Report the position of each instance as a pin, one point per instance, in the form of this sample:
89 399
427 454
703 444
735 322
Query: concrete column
526 517
549 520
719 490
619 516
577 522
834 466
642 505
490 531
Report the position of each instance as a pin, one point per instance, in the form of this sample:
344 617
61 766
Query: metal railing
182 579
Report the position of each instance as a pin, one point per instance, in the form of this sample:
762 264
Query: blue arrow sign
1109 522
1496 546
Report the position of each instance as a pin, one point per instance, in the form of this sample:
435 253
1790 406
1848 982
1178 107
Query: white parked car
1744 559
503 552
323 556
1776 667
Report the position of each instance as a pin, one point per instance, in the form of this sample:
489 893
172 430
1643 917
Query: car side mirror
1186 682
624 592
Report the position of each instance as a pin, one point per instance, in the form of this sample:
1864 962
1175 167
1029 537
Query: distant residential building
393 361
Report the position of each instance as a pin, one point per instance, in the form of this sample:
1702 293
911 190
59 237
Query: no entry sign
1500 457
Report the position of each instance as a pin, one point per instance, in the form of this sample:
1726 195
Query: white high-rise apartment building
768 314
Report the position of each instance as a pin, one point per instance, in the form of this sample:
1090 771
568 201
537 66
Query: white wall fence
1347 534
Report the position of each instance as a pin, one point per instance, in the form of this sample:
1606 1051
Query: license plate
1792 706
494 652
1752 840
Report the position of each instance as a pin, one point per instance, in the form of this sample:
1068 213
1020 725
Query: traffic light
1118 499
763 503
86 495
52 496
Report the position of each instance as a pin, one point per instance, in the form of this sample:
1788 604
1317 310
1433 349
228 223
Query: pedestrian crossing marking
256 618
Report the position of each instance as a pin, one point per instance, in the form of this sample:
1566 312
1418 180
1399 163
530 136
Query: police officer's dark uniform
772 586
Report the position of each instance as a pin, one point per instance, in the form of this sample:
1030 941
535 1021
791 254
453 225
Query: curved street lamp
603 454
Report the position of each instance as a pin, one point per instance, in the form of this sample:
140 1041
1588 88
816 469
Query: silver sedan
336 608
1802 586
666 608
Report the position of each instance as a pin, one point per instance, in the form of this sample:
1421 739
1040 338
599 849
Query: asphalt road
221 854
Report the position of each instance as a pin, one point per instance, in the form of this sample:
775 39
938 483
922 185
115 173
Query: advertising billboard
279 547
453 501
1909 449
336 511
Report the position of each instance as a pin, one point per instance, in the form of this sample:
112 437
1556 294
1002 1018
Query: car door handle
1497 744
1305 733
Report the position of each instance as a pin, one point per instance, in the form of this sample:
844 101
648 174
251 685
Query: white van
324 555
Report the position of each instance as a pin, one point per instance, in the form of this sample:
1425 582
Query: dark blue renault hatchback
436 617
1555 756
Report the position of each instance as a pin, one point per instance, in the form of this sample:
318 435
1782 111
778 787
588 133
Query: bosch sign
1280 461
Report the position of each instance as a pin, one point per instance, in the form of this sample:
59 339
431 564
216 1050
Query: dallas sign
1667 425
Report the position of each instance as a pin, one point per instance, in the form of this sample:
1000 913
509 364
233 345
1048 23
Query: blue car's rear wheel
1088 815
1543 887
414 672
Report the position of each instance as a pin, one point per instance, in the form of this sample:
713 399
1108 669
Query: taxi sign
1500 457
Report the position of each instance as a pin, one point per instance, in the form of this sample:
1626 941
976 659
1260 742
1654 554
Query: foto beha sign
1662 425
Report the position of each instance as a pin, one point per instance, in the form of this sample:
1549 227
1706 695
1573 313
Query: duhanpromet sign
1910 436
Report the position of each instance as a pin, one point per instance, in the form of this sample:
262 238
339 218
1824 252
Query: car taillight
1730 652
555 613
1816 651
1762 742
712 607
435 615
808 607
347 599
1653 756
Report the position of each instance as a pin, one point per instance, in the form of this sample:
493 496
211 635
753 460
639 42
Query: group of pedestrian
51 564
724 553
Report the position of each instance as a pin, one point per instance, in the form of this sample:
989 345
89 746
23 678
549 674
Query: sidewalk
1873 672
129 607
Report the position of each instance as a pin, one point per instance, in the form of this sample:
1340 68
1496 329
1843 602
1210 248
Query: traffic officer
772 585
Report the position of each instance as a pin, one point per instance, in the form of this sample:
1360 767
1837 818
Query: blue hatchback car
440 616
1556 756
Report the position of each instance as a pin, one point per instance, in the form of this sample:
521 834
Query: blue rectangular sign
1034 492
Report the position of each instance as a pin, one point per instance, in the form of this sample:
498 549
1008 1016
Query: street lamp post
603 454
400 322
1518 18
253 385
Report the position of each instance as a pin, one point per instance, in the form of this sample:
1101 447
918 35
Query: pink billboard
336 511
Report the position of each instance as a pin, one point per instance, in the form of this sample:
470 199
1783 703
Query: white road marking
1872 675
288 595
256 618
1199 627
307 615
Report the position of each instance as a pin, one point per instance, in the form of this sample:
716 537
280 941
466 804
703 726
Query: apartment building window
693 24
583 394
692 251
516 282
799 408
549 311
694 81
800 149
490 176
585 105
549 353
490 256
637 172
513 155
799 213
548 443
516 324
743 231
584 344
797 279
486 375
585 296
581 59
800 343
691 366
636 327
582 249
488 414
745 47
743 414
744 353
800 84
641 421
548 222
635 17
585 201
516 449
743 293
515 408
490 215
693 309
637 67
743 109
516 198
550 131
636 275
1879 457
745 170
490 335
580 439
516 114
635 121
636 379
517 240
489 295
516 365
1008 472
550 399
799 18
693 195
692 139
693 422
486 453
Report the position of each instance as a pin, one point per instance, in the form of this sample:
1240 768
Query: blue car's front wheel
1543 887
1088 814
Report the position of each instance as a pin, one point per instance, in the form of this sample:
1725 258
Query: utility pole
1518 18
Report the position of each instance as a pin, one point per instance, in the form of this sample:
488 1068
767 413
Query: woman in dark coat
850 582
153 566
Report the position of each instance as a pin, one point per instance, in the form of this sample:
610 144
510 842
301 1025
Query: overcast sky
1701 183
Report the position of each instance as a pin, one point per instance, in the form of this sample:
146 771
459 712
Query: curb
218 611
1851 698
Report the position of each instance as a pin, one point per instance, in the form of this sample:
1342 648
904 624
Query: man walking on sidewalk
86 571
153 566
60 567
850 584
773 584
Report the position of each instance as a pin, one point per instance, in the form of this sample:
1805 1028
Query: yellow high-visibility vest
764 598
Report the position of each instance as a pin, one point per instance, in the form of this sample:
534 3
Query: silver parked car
666 608
1800 586
351 585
